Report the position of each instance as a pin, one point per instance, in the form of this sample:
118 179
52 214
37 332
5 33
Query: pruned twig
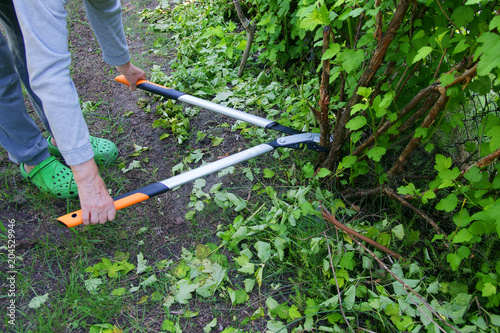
337 223
336 282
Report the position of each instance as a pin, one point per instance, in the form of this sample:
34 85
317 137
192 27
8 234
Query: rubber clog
51 176
105 151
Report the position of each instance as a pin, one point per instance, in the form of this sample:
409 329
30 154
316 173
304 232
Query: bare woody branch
250 34
329 217
367 76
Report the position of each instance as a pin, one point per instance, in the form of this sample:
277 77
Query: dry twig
336 282
337 223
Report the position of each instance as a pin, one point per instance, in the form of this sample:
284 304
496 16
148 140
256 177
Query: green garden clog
105 151
51 176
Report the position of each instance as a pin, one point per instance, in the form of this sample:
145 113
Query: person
36 52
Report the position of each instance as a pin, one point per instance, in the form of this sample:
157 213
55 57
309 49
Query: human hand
97 205
132 74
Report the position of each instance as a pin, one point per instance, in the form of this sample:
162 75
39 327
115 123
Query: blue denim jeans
19 134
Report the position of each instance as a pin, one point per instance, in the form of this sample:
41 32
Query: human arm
95 201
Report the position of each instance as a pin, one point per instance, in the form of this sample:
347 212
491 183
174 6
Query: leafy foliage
410 99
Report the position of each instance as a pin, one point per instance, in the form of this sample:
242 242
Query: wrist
85 171
124 67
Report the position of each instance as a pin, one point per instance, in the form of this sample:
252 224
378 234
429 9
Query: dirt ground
94 81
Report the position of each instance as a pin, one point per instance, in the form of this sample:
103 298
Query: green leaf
294 313
277 310
446 79
462 15
279 244
323 172
258 314
348 161
494 134
268 173
421 132
449 175
462 236
217 141
275 326
121 256
474 175
384 239
489 289
238 296
308 170
442 163
461 46
185 289
480 85
495 319
249 284
462 218
408 189
210 325
263 250
399 231
38 301
226 171
376 153
312 20
202 251
463 252
141 264
180 270
495 23
168 326
149 281
92 285
347 261
351 60
331 52
454 261
489 51
104 328
433 288
365 91
448 204
113 270
350 297
422 53
118 291
258 275
271 305
428 195
222 96
356 123
246 266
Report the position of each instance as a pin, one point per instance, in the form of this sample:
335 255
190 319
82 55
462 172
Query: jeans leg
19 134
16 44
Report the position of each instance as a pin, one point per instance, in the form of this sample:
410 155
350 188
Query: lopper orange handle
152 87
75 218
